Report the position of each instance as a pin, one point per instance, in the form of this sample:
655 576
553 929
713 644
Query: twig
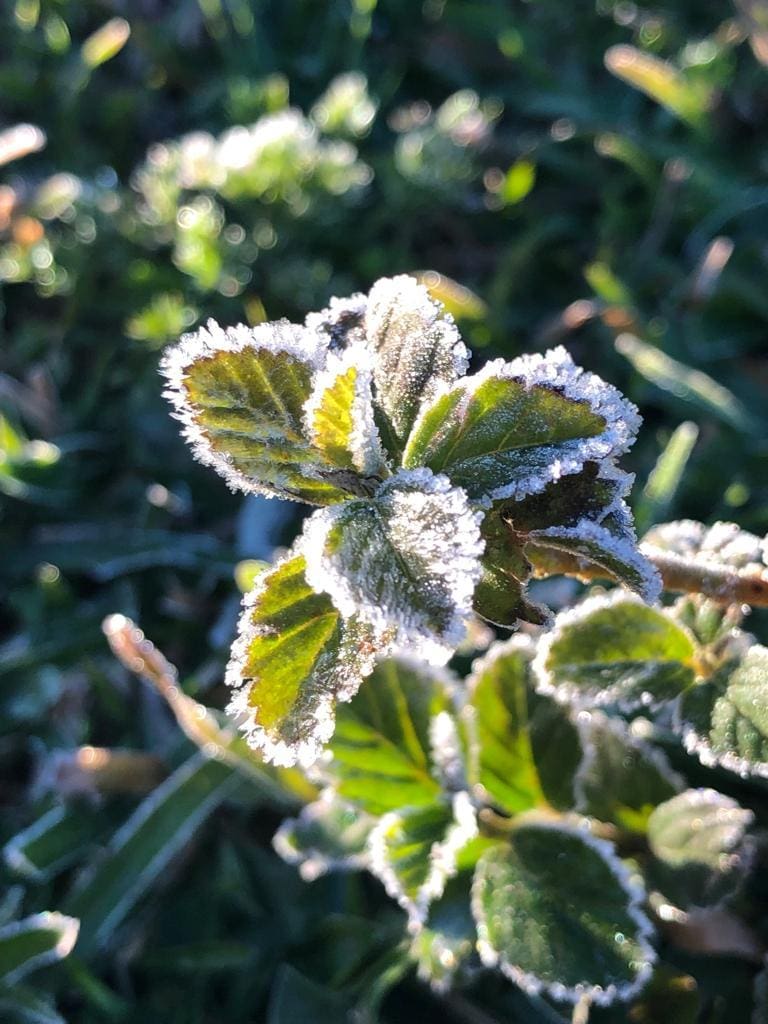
719 583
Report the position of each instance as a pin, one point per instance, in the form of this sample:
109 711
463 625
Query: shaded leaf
294 657
556 910
700 847
514 428
414 851
611 545
294 997
23 1005
448 936
724 721
614 650
52 843
499 596
407 559
326 836
621 779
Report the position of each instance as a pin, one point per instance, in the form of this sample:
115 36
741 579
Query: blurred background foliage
592 173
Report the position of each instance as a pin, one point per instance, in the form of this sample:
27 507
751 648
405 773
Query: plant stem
719 583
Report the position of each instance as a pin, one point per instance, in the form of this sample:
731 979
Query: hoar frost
366 410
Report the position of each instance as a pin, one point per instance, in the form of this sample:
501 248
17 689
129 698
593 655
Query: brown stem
719 583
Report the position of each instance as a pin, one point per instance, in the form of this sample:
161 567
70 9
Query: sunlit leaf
556 910
339 413
381 751
615 650
294 658
417 348
407 559
497 719
513 428
240 395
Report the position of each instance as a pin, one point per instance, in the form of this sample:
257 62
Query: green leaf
240 394
447 938
381 750
294 657
339 413
621 779
588 494
414 851
52 843
557 748
610 544
614 650
417 348
556 910
407 559
514 428
328 835
499 596
700 847
34 942
496 716
724 721
142 848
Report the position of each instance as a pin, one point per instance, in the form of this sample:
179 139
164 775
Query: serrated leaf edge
443 856
530 982
280 336
312 864
569 695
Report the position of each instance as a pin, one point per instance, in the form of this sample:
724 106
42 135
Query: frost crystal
722 544
328 410
410 559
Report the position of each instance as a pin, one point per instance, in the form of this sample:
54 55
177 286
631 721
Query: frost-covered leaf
448 936
35 942
724 721
500 592
295 656
722 544
380 757
328 835
406 559
614 650
557 748
556 911
417 347
414 850
240 395
339 413
621 778
589 494
496 717
514 428
611 545
700 847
